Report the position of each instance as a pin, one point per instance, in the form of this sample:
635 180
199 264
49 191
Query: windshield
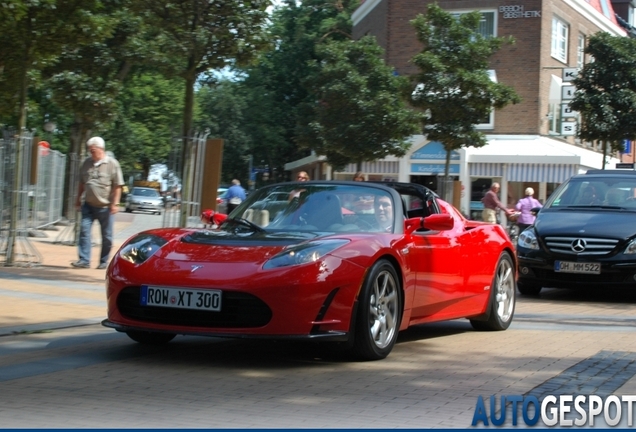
145 192
611 192
315 207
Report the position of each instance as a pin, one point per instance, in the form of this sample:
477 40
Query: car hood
148 199
593 223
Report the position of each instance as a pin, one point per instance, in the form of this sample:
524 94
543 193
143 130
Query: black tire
128 210
379 313
150 338
528 289
501 307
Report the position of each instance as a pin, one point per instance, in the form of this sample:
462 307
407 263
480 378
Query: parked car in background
144 199
584 236
221 200
316 270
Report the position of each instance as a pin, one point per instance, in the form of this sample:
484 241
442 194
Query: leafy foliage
221 110
142 131
453 88
606 91
358 114
33 33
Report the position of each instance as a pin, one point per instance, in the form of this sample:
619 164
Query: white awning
534 149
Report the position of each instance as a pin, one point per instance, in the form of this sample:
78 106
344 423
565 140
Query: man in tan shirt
100 184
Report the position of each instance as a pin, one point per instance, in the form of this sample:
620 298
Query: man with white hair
100 185
525 206
491 204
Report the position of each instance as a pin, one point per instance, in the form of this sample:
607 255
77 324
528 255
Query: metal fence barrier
31 194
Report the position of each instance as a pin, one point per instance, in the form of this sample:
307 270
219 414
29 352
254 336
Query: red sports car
349 262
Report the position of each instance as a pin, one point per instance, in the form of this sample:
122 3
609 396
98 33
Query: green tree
358 114
606 92
142 130
281 112
221 110
33 33
453 88
193 37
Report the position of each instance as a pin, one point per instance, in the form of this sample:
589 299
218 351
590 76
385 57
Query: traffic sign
623 165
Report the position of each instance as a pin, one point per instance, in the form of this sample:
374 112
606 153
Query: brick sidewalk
53 294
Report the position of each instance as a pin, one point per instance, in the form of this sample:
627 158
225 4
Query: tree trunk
604 153
446 180
188 111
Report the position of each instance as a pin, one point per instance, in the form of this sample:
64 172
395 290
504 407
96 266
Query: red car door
438 258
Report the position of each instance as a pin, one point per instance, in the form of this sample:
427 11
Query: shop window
580 53
487 24
554 119
559 40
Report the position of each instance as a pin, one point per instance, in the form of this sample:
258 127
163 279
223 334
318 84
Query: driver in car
383 212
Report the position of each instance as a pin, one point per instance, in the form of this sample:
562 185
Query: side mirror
439 222
535 210
435 222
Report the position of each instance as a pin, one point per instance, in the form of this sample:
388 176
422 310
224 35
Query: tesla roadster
346 262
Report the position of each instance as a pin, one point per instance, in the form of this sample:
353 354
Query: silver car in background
144 199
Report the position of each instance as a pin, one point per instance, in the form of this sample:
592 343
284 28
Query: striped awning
377 167
554 173
485 169
550 173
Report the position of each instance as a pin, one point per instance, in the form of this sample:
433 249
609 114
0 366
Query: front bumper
540 271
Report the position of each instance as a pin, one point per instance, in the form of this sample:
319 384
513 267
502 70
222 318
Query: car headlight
304 253
141 247
528 240
631 248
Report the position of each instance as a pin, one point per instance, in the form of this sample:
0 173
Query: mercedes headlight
141 247
631 248
528 240
304 253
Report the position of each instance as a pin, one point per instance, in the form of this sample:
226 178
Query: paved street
60 369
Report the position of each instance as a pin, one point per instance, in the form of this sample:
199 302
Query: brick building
531 143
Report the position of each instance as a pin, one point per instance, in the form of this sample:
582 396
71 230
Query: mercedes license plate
577 267
182 298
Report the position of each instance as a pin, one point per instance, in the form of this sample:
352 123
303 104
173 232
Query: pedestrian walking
524 206
491 204
235 195
98 195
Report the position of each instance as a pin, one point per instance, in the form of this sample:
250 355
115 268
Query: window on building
606 9
559 40
487 24
554 119
488 122
580 54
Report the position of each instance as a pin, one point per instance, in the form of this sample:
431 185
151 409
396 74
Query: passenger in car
589 197
615 197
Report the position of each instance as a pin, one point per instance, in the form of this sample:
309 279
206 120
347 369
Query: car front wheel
150 338
379 313
502 297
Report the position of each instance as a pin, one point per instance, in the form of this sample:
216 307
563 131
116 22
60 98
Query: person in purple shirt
525 206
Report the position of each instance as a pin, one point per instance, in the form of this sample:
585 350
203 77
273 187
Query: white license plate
577 267
181 298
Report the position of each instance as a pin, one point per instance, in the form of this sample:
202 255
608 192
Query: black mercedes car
584 236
